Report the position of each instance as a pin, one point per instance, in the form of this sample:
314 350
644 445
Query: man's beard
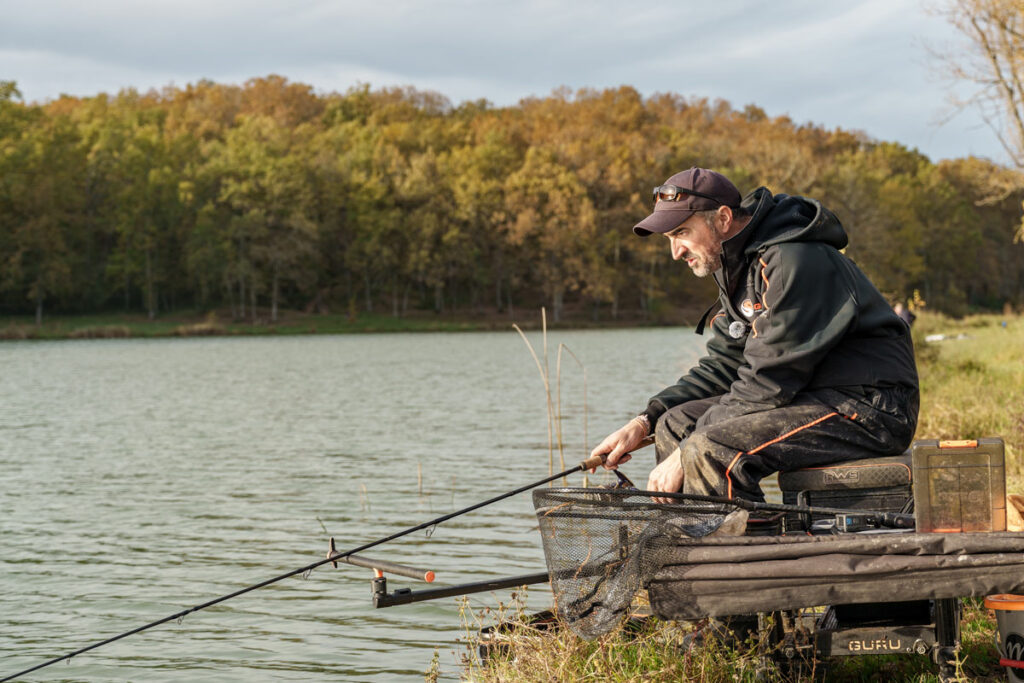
707 264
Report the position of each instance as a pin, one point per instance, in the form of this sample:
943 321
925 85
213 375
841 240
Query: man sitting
807 365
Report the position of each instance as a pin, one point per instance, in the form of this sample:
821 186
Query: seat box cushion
872 473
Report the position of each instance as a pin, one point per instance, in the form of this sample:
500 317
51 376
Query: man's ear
723 220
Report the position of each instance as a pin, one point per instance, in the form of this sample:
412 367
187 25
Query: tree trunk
369 299
150 300
394 296
231 298
557 301
273 296
438 299
241 297
252 298
615 289
39 306
499 275
650 289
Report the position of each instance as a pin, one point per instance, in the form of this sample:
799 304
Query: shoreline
137 326
221 323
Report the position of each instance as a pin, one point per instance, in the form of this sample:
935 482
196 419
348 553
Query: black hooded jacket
796 315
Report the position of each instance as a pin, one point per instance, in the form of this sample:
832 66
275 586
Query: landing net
603 545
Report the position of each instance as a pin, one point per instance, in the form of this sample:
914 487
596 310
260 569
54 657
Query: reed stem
547 389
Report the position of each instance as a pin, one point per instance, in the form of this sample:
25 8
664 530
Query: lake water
141 477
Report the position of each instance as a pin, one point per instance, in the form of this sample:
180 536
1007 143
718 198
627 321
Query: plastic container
959 485
1009 611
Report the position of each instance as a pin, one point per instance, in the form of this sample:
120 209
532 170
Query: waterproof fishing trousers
819 427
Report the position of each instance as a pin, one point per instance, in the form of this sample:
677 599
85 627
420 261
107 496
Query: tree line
269 195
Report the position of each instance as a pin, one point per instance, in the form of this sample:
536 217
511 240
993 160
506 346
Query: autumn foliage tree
268 196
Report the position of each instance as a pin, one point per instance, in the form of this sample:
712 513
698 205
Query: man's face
698 244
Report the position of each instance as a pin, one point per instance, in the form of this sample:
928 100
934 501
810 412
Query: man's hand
668 477
619 443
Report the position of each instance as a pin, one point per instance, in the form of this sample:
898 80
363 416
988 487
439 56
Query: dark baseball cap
710 190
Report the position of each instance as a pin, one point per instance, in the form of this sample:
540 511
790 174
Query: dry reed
558 419
547 383
101 332
207 328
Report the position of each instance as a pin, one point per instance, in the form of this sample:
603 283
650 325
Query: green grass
655 652
972 382
648 650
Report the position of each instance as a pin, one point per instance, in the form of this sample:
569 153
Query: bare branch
994 63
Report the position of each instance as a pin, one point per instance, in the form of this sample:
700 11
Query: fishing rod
844 517
588 464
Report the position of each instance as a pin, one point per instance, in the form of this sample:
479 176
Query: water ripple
141 477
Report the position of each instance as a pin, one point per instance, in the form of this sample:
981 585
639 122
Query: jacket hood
787 218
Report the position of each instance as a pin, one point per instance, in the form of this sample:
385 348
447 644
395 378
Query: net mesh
602 545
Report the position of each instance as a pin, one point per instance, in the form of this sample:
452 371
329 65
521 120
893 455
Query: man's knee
705 465
676 425
701 454
666 439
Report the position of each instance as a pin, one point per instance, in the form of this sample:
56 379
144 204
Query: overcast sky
848 64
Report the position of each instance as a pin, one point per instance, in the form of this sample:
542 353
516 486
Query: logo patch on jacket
748 308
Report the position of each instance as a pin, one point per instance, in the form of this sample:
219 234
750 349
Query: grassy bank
189 325
657 652
972 382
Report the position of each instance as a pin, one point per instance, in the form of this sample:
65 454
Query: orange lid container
959 485
1005 601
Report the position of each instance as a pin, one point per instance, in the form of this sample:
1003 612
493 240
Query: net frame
602 545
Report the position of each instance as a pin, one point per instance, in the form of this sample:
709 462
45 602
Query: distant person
904 313
807 363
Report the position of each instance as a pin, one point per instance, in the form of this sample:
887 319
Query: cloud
854 65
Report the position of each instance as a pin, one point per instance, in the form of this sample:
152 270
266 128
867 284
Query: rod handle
592 462
598 460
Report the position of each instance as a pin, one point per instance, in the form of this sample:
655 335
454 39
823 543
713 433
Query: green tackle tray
959 485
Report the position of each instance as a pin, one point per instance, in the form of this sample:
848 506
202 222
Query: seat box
877 484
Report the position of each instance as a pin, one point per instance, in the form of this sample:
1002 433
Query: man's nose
678 249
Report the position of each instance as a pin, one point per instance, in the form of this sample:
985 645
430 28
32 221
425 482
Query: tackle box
959 485
873 484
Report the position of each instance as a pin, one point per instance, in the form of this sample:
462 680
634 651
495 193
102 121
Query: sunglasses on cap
674 193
